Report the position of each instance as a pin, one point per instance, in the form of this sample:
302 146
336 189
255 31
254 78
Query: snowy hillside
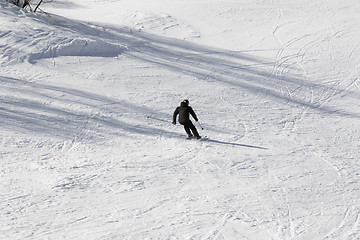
88 90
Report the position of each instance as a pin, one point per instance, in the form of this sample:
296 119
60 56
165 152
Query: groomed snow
87 147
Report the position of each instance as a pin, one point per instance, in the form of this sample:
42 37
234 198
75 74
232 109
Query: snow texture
87 147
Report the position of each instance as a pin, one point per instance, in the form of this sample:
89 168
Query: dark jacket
184 112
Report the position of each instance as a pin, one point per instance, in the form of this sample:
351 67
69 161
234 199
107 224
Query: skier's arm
176 112
193 114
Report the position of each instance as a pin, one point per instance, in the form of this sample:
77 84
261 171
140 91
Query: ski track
80 159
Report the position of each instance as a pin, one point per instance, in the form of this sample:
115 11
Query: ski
193 137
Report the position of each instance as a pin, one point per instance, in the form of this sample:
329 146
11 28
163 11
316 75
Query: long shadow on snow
213 66
80 114
240 70
234 144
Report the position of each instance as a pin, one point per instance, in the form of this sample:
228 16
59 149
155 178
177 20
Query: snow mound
78 47
31 37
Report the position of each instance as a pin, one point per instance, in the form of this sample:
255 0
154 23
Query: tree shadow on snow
87 115
243 71
70 113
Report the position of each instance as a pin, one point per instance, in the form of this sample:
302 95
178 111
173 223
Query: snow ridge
34 38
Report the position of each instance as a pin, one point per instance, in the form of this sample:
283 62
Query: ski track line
325 97
284 48
236 118
289 225
356 228
302 52
216 233
328 163
320 99
339 230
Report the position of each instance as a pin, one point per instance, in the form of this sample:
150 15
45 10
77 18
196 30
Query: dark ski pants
188 125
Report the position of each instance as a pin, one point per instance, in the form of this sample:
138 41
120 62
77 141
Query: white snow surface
88 90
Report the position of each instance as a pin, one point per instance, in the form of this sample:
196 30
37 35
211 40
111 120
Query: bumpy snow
87 147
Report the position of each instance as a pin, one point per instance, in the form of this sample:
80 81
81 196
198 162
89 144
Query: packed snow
88 89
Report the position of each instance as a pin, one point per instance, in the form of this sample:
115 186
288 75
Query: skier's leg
187 130
194 130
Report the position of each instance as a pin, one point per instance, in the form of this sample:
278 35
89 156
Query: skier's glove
174 123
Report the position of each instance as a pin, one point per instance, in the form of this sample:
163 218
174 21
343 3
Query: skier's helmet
186 102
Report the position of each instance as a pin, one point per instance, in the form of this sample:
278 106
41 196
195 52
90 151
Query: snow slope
275 85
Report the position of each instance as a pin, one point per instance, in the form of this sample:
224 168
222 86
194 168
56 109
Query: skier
184 111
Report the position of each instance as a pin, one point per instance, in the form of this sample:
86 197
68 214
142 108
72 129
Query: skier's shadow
235 144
